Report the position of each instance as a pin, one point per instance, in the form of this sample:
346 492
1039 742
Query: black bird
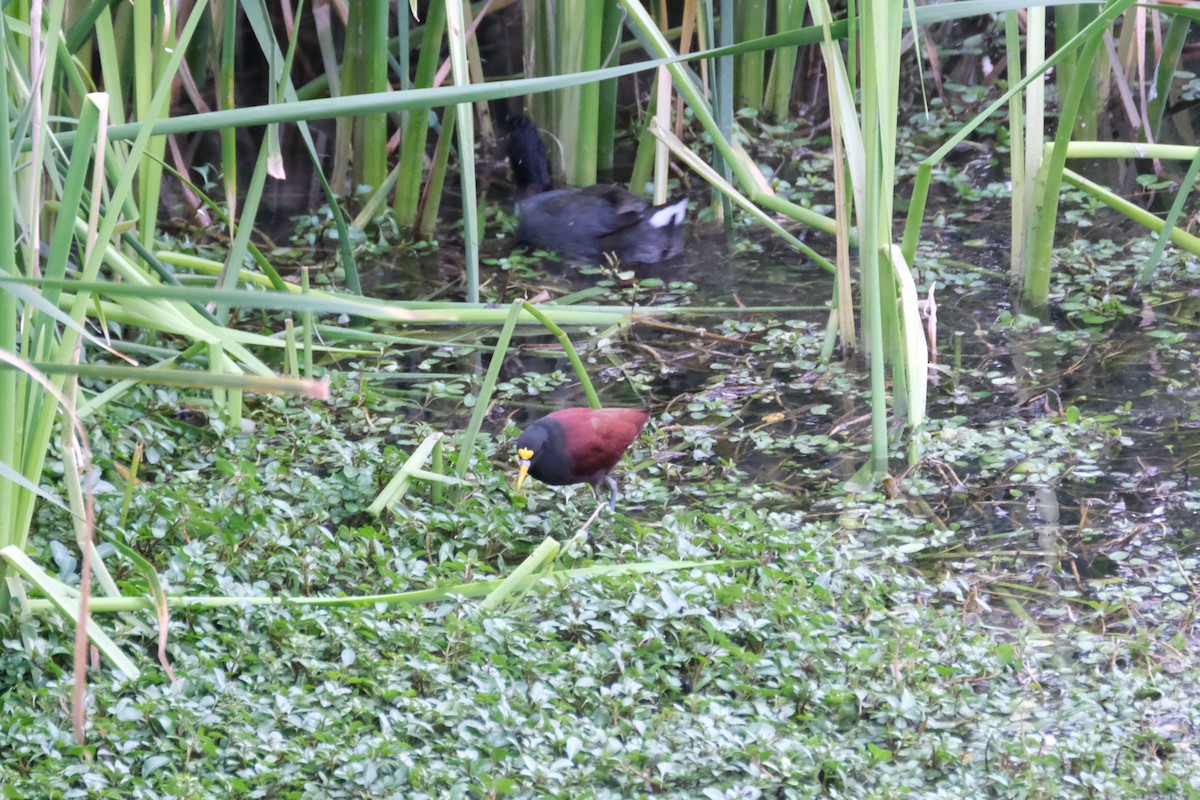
578 445
585 223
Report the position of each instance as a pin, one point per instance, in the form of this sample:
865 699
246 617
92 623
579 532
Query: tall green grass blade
373 154
841 97
456 28
77 464
85 21
587 119
916 349
849 167
723 104
1164 71
880 76
539 58
307 317
1189 181
397 487
313 390
329 108
152 65
643 164
351 79
416 131
131 481
157 594
44 58
344 126
8 473
1178 236
750 22
466 445
606 101
576 363
227 100
1021 180
68 606
1044 212
438 465
1035 126
236 257
542 558
789 15
431 200
555 579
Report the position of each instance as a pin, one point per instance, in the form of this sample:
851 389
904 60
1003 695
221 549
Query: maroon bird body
578 445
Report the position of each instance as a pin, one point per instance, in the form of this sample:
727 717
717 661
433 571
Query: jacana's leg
612 483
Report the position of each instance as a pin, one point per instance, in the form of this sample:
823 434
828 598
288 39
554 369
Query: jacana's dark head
544 452
529 446
527 155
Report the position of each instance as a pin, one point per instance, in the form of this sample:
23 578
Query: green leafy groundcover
834 667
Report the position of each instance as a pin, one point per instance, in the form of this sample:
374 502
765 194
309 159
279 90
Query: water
1128 498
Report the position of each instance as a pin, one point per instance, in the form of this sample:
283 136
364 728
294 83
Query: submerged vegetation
911 517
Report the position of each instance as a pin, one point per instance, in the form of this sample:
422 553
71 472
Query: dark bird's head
542 452
527 155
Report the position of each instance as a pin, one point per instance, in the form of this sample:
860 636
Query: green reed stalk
722 100
466 445
412 148
343 129
606 102
373 151
148 59
1147 272
789 15
570 33
750 22
431 199
585 154
466 146
1044 214
1178 236
227 99
1021 181
11 430
351 79
569 349
882 26
540 56
1035 120
1068 21
1164 71
554 580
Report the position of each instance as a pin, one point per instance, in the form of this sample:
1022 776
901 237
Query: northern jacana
585 223
578 445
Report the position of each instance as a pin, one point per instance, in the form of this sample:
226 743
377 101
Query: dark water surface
1128 499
